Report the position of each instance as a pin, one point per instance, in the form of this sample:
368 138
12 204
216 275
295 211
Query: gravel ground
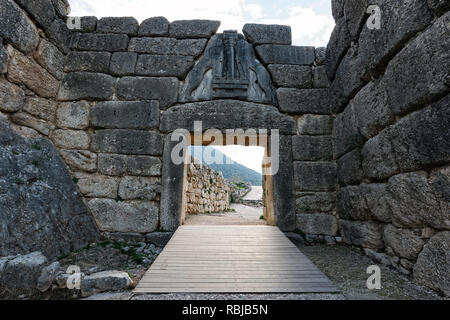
242 215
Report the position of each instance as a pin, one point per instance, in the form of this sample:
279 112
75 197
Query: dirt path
243 215
255 194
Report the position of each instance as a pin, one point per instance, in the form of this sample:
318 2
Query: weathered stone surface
301 101
126 25
22 273
48 275
40 208
413 83
165 90
315 176
320 53
312 148
364 202
42 108
159 239
125 115
320 77
405 243
24 119
139 188
314 125
41 10
23 70
73 115
62 7
345 132
315 202
193 28
4 58
401 21
16 27
71 139
86 85
438 6
379 257
291 76
337 46
49 57
80 160
112 164
418 140
418 200
349 168
12 98
105 281
164 66
60 35
168 46
337 8
267 34
225 114
154 27
367 234
283 54
143 166
92 185
433 265
102 42
354 12
88 61
130 216
317 224
127 142
123 63
88 24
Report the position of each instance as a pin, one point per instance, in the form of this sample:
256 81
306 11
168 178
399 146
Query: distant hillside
231 169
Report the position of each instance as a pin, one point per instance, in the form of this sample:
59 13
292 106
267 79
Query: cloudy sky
311 20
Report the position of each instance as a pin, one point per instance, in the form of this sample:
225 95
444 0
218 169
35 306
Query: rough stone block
301 101
154 27
125 115
314 125
164 66
345 132
93 185
165 90
16 27
310 148
405 243
86 85
438 6
366 234
88 24
42 108
315 202
139 188
41 10
320 53
71 139
355 12
24 119
102 42
12 97
349 168
283 54
320 77
291 76
105 281
314 176
123 63
337 46
159 239
132 216
80 160
3 58
60 35
112 164
73 115
337 8
193 28
127 142
317 224
126 25
23 70
267 34
49 57
88 61
62 7
168 46
143 166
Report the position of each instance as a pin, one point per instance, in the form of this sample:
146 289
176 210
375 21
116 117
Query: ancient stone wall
207 191
391 137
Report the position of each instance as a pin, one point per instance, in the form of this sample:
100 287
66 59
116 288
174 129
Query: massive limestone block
314 176
139 188
323 224
40 207
154 27
50 58
41 10
349 168
62 7
24 119
337 46
355 12
291 76
127 142
12 97
193 28
42 108
71 139
102 42
86 85
105 281
315 202
267 34
164 66
438 6
433 265
301 101
284 54
80 160
118 165
126 25
367 234
16 27
88 61
168 46
60 35
120 216
345 132
93 185
310 148
125 115
405 243
73 115
123 63
226 114
312 125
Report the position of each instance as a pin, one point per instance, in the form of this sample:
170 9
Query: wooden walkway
232 259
